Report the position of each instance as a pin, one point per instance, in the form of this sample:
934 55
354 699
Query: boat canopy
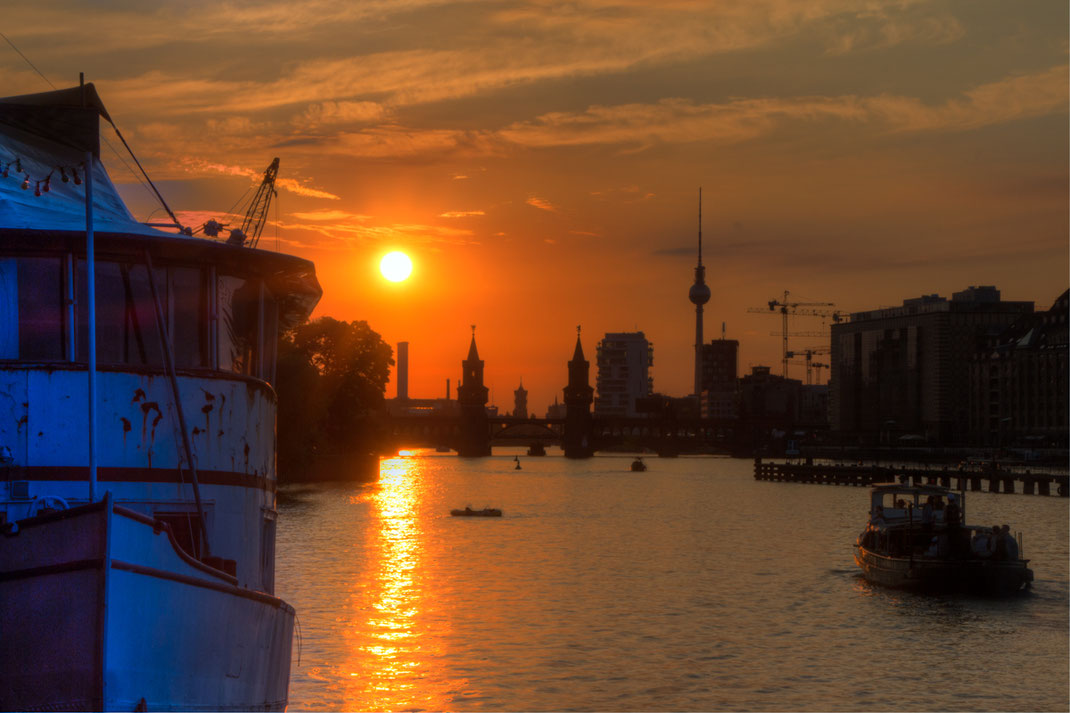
43 142
44 139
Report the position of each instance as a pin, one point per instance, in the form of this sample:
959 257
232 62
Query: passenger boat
469 512
137 479
917 539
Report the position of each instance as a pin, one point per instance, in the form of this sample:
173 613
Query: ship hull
103 611
942 575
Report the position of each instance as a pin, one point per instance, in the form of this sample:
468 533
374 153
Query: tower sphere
699 294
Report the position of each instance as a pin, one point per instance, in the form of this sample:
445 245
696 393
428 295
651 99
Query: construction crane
810 364
256 216
786 307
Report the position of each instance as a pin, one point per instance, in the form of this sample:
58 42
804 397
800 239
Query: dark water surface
688 587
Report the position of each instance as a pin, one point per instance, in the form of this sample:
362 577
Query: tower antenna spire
700 225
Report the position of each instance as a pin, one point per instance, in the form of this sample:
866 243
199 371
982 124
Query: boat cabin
899 503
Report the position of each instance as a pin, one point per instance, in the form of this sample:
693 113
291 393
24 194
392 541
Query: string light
44 184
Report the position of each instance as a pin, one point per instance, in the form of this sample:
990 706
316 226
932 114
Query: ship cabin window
186 529
188 316
267 551
239 317
44 315
126 314
37 307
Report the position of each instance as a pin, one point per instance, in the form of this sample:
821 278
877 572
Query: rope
27 60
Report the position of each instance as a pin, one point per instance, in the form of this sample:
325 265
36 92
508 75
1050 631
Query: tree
331 380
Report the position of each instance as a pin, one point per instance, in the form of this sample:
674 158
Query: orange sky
540 161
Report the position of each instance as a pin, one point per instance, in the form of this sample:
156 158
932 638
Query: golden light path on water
394 653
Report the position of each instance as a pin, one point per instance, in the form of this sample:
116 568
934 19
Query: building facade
624 361
905 370
720 382
1018 383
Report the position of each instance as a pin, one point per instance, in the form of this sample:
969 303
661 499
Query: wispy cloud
541 204
684 121
201 167
460 213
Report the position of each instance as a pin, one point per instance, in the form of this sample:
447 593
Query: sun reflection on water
396 659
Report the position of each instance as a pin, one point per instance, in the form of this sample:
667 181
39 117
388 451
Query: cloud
541 204
346 235
500 48
331 215
201 167
343 112
460 213
684 121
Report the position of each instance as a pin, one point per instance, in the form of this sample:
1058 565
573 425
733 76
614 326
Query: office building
904 371
624 361
1018 383
720 383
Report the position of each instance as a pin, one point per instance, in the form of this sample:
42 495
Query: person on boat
517 459
927 515
980 545
1006 545
953 514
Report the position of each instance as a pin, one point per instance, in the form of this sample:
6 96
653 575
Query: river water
688 587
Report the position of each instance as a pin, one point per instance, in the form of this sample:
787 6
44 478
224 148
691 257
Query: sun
396 266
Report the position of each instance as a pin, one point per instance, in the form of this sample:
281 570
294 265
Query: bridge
665 436
466 427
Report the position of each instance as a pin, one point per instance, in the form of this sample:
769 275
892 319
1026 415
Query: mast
91 307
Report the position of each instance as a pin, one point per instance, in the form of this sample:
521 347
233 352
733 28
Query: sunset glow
852 153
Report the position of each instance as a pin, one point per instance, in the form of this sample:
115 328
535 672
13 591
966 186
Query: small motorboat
469 512
917 539
638 466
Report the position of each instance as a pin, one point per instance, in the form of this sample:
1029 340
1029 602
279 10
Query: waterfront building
904 370
769 401
720 382
1018 383
520 401
555 410
624 360
403 371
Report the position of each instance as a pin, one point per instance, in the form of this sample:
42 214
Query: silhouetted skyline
540 164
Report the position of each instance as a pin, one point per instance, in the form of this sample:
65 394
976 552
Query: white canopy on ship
44 138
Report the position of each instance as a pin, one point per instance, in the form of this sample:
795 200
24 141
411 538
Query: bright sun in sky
396 266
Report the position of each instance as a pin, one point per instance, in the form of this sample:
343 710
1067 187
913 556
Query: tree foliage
330 384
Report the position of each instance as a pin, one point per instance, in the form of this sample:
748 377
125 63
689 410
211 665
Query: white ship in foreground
136 561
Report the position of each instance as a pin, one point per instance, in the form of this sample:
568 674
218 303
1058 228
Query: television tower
699 295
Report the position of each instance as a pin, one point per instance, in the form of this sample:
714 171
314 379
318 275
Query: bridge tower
472 400
578 438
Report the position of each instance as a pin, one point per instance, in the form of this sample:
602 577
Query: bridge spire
579 426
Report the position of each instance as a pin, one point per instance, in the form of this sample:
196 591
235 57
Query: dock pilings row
865 475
